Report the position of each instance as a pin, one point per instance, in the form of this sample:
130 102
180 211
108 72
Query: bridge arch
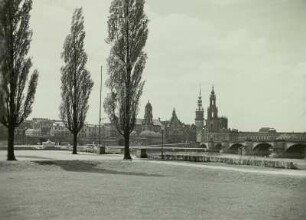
203 145
235 148
262 149
297 150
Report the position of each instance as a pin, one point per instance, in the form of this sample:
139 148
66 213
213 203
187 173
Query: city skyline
254 55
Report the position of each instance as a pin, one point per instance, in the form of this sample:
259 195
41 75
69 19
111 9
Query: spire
199 119
212 94
174 113
200 100
212 97
174 119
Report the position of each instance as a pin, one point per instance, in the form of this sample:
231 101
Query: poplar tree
76 80
15 65
127 35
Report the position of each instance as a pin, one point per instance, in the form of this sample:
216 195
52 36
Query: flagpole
100 109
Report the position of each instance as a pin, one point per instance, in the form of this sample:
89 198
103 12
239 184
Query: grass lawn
58 185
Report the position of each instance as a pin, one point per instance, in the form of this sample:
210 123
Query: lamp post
162 149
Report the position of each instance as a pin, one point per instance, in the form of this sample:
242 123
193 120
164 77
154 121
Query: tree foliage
127 34
76 81
15 39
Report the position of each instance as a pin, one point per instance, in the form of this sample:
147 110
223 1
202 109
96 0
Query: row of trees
15 38
127 35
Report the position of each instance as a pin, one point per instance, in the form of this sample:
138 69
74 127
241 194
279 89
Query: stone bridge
277 148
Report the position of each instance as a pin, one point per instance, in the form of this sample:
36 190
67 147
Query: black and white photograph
152 109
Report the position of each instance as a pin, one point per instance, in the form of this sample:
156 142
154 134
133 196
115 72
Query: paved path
245 169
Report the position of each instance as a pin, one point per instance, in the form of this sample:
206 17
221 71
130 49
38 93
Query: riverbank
58 185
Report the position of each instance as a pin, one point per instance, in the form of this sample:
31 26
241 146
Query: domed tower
148 117
199 119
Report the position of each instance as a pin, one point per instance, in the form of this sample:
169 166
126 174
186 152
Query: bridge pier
210 145
278 149
248 148
225 147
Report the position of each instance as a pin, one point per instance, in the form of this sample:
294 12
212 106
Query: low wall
64 148
177 145
20 147
220 159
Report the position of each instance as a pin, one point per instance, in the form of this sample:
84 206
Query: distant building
91 131
58 129
33 132
175 130
42 124
110 131
148 123
267 130
215 135
147 131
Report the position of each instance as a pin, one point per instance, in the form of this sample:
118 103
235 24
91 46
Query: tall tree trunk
127 155
10 146
75 143
11 120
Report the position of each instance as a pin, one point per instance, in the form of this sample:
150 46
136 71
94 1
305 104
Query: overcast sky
253 52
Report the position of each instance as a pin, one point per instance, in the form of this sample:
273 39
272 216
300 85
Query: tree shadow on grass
89 167
33 157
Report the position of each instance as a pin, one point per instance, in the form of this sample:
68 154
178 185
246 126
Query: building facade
175 130
215 135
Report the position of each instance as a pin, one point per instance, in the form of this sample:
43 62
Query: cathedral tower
199 119
212 111
213 122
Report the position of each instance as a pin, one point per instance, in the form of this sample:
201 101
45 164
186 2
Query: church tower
199 119
212 111
148 117
214 123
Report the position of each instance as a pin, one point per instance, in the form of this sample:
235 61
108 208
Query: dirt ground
58 185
